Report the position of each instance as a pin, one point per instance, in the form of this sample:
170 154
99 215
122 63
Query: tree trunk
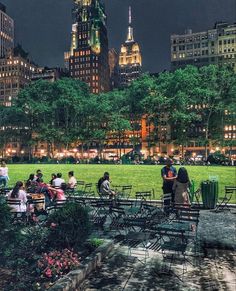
206 143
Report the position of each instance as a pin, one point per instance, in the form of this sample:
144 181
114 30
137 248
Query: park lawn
142 177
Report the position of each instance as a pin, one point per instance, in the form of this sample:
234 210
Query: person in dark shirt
169 174
101 180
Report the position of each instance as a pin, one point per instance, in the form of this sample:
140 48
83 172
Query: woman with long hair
181 187
28 183
18 193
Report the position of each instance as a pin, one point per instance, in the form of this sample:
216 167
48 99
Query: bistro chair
17 216
224 201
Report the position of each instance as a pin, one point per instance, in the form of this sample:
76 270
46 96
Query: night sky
43 26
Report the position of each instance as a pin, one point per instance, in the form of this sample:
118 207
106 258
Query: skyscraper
130 59
88 56
6 32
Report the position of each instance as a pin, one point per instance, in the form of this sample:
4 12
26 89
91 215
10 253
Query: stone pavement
215 268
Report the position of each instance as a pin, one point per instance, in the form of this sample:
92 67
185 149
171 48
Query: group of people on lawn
176 184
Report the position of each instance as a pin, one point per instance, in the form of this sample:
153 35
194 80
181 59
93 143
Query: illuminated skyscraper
6 32
87 59
130 59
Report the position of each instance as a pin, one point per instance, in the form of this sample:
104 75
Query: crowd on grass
176 185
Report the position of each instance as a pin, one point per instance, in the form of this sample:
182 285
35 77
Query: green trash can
210 190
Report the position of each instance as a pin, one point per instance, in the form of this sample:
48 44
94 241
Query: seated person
72 181
31 185
53 177
105 189
58 194
101 180
18 193
58 181
38 174
44 189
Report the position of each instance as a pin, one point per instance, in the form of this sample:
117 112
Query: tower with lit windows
87 59
6 32
130 58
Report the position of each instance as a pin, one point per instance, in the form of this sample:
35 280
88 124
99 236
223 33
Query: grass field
141 177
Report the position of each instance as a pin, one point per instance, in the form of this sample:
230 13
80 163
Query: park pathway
216 269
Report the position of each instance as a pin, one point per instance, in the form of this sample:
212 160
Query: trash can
209 191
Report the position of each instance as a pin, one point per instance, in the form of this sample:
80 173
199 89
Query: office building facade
214 46
87 59
6 32
15 73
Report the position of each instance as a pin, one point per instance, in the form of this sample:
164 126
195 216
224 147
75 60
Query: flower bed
35 256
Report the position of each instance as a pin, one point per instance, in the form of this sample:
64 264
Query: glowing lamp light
217 148
42 151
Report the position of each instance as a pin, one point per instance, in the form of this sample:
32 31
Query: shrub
69 226
94 243
57 263
5 215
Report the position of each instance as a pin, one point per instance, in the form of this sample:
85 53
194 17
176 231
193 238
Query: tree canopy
64 113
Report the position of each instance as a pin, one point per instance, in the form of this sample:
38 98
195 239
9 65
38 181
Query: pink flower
48 273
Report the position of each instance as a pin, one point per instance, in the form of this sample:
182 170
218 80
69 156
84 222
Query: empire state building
130 58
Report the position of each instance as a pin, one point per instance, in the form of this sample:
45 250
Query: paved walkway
215 269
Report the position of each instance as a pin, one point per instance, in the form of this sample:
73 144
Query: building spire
130 16
130 35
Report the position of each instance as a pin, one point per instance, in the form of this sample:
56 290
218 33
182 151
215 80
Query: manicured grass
141 177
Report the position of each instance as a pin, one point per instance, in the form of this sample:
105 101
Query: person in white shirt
3 174
58 181
18 193
72 180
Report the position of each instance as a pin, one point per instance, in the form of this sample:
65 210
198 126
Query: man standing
169 174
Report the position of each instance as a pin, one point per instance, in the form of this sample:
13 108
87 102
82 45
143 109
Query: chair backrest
14 202
80 185
188 215
127 189
229 190
145 195
117 211
166 197
125 204
60 203
37 201
172 233
88 186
